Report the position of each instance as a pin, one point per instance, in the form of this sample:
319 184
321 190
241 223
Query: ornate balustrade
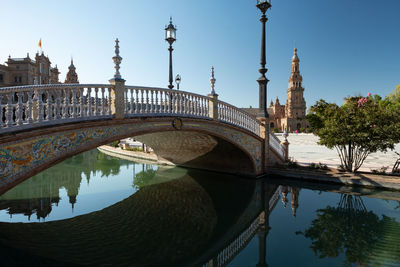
146 101
276 145
25 107
233 115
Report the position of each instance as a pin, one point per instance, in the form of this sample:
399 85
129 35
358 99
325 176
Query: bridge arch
27 153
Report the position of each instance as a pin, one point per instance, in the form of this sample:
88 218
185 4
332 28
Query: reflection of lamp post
170 37
178 81
263 5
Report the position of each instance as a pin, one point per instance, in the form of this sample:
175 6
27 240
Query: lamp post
263 5
170 37
178 80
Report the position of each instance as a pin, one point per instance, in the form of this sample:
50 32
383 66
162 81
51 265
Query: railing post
285 143
264 133
118 90
213 106
117 98
213 98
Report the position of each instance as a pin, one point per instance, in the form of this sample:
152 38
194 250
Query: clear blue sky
345 47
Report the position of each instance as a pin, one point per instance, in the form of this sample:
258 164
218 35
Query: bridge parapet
25 107
276 145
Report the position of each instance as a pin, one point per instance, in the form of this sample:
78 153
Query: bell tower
295 105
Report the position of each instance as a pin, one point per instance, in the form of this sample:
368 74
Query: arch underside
202 144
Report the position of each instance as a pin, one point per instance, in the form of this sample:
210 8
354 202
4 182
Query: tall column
263 81
262 114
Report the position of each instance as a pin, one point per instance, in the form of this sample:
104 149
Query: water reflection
360 234
39 194
141 215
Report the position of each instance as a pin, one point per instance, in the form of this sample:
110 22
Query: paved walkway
305 150
344 178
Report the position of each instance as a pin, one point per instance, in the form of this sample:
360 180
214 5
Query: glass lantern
170 33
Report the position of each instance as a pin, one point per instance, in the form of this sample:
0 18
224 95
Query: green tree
361 126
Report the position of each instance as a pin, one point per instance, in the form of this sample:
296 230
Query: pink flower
374 103
369 94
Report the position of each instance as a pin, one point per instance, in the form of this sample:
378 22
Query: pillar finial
117 60
212 81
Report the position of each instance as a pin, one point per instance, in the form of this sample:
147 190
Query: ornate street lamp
170 37
178 81
263 5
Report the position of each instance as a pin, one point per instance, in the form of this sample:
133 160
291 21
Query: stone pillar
264 133
213 98
285 143
117 98
213 106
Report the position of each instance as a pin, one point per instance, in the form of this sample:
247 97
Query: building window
15 79
1 78
20 79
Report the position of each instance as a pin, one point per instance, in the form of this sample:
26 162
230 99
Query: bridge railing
233 115
146 101
275 144
24 107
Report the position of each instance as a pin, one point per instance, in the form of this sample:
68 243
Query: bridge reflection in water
189 219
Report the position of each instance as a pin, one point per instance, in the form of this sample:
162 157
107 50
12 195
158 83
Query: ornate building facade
292 115
26 71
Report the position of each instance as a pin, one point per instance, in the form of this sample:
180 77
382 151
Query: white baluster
104 102
132 102
74 104
126 102
109 101
147 102
58 105
141 101
89 97
151 101
137 101
49 115
81 99
96 103
40 106
66 104
19 109
178 103
1 111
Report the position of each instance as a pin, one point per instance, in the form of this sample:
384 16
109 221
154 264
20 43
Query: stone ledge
130 155
345 178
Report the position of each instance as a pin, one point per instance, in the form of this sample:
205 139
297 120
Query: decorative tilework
22 156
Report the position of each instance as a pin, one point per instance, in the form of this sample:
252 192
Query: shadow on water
175 217
185 217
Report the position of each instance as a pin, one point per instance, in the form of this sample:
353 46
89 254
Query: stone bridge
41 125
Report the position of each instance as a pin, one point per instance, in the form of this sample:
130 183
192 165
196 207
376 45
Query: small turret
72 76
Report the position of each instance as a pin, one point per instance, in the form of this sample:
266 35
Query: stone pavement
304 149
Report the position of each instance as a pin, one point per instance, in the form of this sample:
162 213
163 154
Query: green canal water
96 210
